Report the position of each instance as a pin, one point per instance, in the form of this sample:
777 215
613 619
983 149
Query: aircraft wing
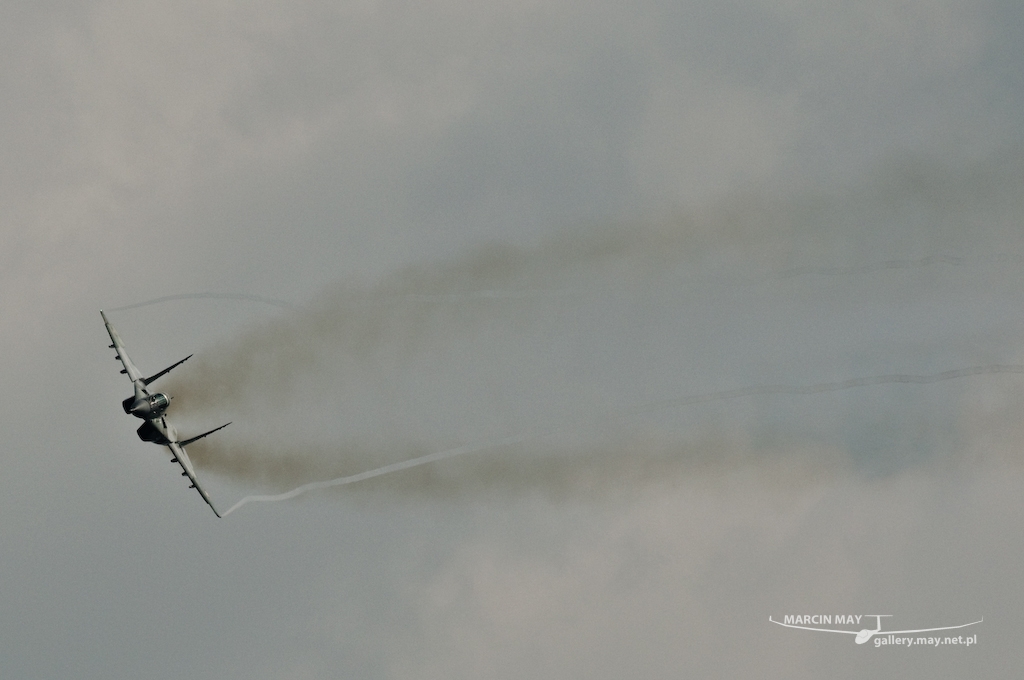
181 458
122 354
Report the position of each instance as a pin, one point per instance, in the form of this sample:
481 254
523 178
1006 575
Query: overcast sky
534 230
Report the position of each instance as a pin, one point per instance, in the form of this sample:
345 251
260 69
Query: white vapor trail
900 264
205 296
532 293
653 406
394 467
427 297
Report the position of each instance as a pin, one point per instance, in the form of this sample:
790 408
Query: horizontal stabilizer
146 381
197 438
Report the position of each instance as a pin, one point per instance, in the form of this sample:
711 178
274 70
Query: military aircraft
152 408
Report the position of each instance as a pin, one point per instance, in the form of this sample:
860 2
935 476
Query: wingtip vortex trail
761 390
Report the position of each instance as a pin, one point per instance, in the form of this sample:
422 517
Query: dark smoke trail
457 344
759 390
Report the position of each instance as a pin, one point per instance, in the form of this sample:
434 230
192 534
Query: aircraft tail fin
146 381
198 437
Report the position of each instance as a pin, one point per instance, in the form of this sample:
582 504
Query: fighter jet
152 408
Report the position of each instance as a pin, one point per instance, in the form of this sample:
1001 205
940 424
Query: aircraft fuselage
151 408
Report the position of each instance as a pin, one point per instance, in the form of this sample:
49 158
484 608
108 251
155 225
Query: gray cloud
543 216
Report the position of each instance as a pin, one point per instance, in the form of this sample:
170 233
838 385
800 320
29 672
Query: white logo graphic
865 634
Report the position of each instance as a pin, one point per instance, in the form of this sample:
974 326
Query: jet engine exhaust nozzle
148 408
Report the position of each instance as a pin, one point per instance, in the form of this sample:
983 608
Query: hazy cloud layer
495 221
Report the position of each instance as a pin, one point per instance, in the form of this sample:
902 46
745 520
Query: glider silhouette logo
882 637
